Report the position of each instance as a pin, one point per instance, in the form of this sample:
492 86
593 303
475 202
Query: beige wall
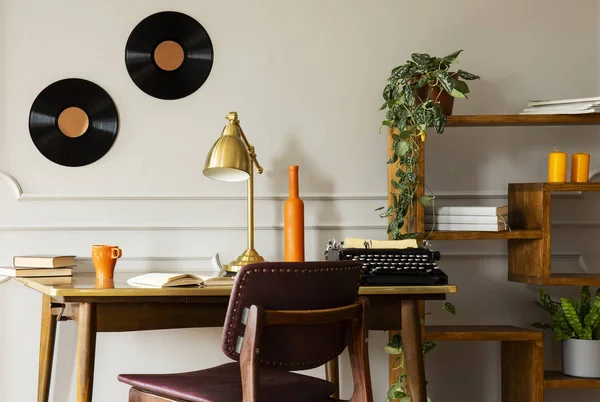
306 78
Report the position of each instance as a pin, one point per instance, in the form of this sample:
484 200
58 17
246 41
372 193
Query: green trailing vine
399 390
572 318
412 103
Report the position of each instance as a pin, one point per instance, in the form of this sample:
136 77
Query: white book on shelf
478 219
562 111
468 227
562 101
468 210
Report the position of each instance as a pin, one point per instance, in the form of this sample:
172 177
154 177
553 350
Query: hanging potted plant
575 322
420 94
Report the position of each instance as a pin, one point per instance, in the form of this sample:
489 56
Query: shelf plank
481 333
573 279
558 279
470 235
571 186
522 120
556 379
552 187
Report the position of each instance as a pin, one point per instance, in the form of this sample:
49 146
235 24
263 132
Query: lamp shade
228 159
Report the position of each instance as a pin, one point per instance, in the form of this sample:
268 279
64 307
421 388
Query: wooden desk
116 307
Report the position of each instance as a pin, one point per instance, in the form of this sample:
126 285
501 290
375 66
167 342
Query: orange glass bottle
293 221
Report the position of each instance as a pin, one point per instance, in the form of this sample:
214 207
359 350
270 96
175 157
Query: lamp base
250 256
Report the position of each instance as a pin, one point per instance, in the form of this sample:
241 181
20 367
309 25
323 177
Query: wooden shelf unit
556 379
522 355
523 376
529 260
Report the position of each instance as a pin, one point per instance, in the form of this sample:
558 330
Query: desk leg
86 351
413 352
47 337
332 374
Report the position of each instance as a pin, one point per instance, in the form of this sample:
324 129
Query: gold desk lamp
232 159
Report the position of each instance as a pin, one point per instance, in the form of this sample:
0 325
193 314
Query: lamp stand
250 256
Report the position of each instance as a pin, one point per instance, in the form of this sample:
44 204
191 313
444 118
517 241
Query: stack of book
564 106
41 265
467 218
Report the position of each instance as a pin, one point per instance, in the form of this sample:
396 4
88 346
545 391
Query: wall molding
13 183
56 228
20 195
279 227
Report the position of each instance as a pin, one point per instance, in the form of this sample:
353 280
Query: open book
163 280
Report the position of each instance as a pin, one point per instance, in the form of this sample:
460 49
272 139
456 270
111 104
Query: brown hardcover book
44 261
35 272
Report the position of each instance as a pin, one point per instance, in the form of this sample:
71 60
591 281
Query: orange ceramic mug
104 258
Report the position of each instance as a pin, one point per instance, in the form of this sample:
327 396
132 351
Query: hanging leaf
402 118
387 92
451 58
412 177
439 123
426 199
445 81
420 58
402 148
467 76
457 94
399 72
428 346
404 135
449 307
409 99
393 159
422 81
461 86
394 346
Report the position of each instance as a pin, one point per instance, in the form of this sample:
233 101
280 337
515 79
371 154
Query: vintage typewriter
390 266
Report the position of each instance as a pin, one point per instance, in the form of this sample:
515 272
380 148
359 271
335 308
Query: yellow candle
580 167
557 167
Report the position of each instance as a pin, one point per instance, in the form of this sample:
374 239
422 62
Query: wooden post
419 211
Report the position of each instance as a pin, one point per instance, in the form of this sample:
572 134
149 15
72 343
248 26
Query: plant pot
445 100
581 358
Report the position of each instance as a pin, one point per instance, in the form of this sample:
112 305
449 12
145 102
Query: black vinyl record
73 122
169 55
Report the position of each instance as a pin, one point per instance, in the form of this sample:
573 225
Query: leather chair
282 317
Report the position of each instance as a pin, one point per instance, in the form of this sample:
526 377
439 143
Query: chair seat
223 384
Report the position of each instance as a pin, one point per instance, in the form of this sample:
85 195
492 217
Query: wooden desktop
115 306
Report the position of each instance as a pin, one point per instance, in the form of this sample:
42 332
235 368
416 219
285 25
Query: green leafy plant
572 318
413 103
399 390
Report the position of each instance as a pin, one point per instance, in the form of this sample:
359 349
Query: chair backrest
293 286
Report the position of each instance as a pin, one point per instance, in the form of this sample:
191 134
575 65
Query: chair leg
359 356
249 356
